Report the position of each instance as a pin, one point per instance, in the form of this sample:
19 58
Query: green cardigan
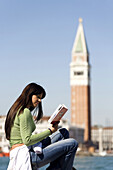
21 131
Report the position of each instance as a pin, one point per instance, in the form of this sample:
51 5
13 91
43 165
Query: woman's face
36 99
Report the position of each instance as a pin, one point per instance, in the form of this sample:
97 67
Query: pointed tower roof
80 45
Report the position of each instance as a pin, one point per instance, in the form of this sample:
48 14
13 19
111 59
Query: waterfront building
75 132
80 84
42 125
4 144
103 136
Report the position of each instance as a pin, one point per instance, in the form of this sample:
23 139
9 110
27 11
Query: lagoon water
81 163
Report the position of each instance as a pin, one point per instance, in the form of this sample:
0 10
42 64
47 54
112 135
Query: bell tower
80 84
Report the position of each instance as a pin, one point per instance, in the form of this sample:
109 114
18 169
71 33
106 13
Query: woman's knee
64 132
74 143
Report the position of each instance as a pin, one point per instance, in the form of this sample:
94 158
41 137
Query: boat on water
4 154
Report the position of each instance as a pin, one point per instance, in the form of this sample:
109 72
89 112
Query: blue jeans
58 150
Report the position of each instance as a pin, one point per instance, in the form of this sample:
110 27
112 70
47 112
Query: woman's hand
54 127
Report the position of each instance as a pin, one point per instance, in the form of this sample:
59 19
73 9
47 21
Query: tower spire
80 45
80 20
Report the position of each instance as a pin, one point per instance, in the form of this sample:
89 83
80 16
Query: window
78 73
0 138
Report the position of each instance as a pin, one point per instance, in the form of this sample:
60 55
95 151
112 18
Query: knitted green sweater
21 131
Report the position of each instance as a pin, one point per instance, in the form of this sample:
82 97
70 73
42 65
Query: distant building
77 133
106 137
80 84
4 144
43 124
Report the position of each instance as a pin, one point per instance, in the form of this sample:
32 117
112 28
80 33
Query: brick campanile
80 84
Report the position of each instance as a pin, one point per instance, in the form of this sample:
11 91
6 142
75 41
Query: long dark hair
22 102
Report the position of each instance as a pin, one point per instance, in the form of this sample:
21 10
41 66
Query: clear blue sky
36 39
